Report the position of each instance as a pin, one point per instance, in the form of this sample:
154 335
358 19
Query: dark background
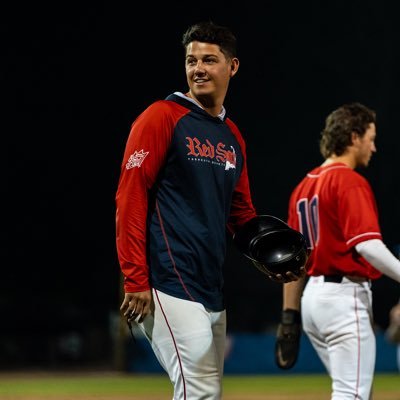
75 75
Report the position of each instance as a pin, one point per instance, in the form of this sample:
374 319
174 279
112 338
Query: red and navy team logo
207 152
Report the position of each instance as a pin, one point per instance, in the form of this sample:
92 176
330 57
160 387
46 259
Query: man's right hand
137 305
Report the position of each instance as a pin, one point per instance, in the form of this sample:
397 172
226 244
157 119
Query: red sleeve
242 208
145 154
358 205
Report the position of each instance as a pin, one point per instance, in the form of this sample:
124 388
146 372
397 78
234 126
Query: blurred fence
254 354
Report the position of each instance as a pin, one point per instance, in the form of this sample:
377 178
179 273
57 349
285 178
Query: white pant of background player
337 318
189 343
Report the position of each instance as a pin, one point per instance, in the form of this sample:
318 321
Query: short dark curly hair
209 32
340 124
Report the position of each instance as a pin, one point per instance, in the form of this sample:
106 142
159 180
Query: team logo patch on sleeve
136 159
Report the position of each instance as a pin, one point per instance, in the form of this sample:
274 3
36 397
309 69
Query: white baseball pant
189 343
337 318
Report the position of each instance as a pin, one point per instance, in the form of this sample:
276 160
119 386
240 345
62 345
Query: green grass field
123 386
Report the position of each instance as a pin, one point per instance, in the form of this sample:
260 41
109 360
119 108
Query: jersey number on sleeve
308 220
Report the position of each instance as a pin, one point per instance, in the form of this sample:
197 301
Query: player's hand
288 335
289 276
393 331
136 306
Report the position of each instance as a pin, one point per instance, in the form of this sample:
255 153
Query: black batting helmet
272 245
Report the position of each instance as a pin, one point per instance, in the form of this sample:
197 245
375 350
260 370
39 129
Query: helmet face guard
272 246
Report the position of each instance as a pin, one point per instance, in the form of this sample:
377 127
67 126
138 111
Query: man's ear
234 66
354 137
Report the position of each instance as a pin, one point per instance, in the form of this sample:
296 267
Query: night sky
75 75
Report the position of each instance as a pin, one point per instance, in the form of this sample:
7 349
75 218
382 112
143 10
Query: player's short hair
341 123
209 32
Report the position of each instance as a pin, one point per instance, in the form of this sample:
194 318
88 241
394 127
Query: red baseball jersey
334 208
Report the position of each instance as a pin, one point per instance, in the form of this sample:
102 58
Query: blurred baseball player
334 207
183 181
393 330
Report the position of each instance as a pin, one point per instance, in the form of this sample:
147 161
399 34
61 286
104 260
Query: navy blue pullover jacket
183 182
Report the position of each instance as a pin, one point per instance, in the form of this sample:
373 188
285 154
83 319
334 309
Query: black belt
339 278
333 278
